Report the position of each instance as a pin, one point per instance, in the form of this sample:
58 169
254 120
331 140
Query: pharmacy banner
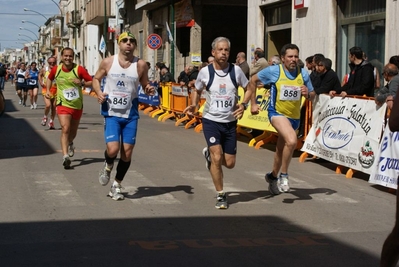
386 171
346 131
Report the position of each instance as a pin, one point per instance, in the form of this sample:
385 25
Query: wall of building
92 54
391 29
314 29
256 27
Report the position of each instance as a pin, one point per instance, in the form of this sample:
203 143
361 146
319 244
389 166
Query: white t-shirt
222 97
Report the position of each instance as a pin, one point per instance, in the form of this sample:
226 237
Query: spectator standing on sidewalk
241 61
361 76
3 73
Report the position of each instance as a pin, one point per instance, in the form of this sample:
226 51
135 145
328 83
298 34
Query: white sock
116 183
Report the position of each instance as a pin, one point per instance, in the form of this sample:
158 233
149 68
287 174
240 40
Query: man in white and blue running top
124 72
221 112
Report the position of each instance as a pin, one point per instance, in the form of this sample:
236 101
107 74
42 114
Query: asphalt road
55 217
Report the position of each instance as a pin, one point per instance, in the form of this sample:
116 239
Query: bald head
390 70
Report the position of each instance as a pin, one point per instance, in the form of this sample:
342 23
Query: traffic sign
154 41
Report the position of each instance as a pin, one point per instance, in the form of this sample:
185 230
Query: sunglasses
131 40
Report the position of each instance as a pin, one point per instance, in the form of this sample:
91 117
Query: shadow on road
191 241
19 139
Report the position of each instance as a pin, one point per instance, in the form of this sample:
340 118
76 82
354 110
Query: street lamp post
27 9
26 36
37 48
62 22
27 21
21 28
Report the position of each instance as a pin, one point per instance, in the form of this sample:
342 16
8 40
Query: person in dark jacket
166 76
328 78
183 77
390 249
361 76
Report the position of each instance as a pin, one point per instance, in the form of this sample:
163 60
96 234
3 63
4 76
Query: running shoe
116 192
283 183
221 201
44 121
105 174
71 150
34 106
51 125
24 104
20 102
66 163
207 156
31 106
273 188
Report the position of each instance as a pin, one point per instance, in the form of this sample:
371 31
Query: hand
149 89
343 94
101 97
255 109
190 110
389 102
304 91
239 111
332 93
47 95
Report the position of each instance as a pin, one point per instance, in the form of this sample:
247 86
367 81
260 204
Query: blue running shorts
294 123
118 129
221 133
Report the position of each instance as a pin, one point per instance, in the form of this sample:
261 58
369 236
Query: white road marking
54 188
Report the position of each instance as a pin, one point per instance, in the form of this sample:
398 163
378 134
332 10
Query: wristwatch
245 105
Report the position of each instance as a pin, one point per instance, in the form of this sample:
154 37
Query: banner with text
147 99
386 171
346 131
179 90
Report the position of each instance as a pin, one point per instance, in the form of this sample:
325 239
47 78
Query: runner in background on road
32 83
119 106
20 83
70 79
49 102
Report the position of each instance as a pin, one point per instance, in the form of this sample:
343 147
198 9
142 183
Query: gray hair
275 60
218 40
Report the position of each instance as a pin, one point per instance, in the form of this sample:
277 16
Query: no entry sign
154 41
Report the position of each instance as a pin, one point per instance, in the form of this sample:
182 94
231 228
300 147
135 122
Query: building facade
187 28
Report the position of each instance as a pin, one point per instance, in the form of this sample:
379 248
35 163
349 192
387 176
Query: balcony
95 11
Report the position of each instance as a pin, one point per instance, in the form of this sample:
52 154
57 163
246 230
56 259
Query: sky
11 15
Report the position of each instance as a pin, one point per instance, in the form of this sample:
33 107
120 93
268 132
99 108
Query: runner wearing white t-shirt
221 112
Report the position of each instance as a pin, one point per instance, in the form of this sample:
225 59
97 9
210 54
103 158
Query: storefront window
363 25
